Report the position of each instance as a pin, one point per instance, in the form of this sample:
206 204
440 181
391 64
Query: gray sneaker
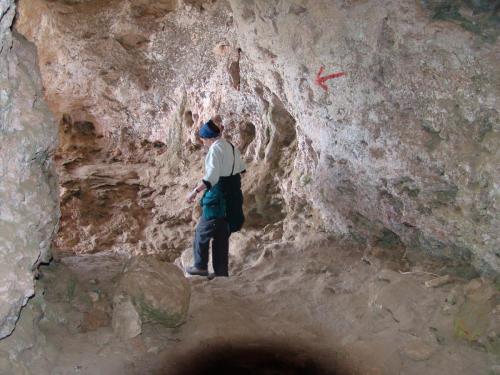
193 270
212 276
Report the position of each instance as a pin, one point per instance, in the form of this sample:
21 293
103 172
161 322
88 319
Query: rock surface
158 290
400 151
28 186
403 147
126 321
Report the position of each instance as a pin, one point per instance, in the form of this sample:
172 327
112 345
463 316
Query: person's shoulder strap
234 158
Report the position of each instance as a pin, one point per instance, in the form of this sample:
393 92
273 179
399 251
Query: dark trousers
218 231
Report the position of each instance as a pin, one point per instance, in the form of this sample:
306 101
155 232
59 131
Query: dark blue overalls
221 205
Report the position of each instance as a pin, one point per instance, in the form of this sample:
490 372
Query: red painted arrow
320 81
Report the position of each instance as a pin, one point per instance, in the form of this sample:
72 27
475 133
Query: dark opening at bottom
252 359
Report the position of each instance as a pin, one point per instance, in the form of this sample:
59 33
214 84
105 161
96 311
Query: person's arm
199 188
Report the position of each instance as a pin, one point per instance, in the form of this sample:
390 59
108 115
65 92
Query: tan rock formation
402 147
28 136
400 151
126 319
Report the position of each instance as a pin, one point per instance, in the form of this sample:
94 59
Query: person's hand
191 196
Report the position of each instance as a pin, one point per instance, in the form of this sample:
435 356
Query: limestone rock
400 151
158 290
381 164
418 351
126 321
476 318
95 318
438 281
28 188
400 301
185 260
9 366
26 332
94 296
63 315
454 300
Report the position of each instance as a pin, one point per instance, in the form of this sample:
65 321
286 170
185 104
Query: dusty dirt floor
317 305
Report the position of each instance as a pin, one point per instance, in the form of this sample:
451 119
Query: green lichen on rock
149 313
70 289
472 320
476 319
158 290
477 16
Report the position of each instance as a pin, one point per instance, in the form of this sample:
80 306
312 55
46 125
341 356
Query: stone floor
325 300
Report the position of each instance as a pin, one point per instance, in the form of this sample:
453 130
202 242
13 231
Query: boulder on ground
158 290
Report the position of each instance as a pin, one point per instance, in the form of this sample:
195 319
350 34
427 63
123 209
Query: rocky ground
328 301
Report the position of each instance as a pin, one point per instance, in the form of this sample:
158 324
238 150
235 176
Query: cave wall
140 80
28 188
400 151
406 142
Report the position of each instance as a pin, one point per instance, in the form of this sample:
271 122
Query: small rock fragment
484 294
455 297
94 296
126 320
454 300
388 275
473 319
154 350
473 285
418 351
438 281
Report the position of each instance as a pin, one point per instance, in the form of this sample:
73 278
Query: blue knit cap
209 130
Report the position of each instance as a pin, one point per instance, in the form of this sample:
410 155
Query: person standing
222 188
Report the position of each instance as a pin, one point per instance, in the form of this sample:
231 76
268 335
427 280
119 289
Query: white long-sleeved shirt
219 162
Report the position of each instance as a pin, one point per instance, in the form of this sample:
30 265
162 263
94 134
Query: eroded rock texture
129 97
399 152
28 187
405 145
